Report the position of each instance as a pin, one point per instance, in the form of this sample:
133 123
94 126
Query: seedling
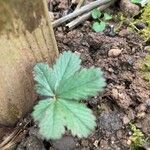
100 20
65 85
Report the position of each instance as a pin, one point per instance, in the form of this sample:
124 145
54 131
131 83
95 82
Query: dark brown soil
125 99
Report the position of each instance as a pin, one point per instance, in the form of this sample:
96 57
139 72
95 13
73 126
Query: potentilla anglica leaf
79 119
87 82
66 85
66 65
44 79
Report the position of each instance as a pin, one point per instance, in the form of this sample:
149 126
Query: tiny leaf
96 13
107 16
99 27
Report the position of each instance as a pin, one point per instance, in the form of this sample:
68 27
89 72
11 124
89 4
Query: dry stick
80 11
86 16
79 4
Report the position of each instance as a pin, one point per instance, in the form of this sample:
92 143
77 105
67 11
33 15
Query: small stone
126 120
96 143
141 107
141 115
65 143
131 114
147 48
110 70
140 25
129 142
114 52
124 32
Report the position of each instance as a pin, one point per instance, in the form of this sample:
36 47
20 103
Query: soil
125 99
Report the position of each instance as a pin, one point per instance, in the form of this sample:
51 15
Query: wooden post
26 37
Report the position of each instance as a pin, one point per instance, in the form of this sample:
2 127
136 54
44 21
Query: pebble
124 32
126 120
140 25
147 48
114 52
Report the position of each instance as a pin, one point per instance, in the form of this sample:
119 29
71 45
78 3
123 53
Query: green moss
145 17
145 68
137 138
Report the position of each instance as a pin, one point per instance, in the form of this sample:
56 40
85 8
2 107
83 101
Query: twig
79 4
80 11
86 16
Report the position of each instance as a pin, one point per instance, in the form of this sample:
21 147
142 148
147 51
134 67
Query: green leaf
107 16
51 120
99 27
96 13
66 65
44 79
40 108
79 119
85 83
66 86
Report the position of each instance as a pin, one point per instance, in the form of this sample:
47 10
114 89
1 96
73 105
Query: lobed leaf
83 84
66 85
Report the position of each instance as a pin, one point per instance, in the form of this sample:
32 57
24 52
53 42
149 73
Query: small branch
80 11
79 4
86 16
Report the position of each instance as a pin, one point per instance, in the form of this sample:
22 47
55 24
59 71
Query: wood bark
26 37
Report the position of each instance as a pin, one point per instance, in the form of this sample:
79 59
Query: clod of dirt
146 124
110 122
99 41
120 97
65 143
124 32
125 120
114 52
31 143
129 8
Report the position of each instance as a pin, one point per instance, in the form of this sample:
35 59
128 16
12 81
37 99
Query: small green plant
100 20
137 138
141 2
65 85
